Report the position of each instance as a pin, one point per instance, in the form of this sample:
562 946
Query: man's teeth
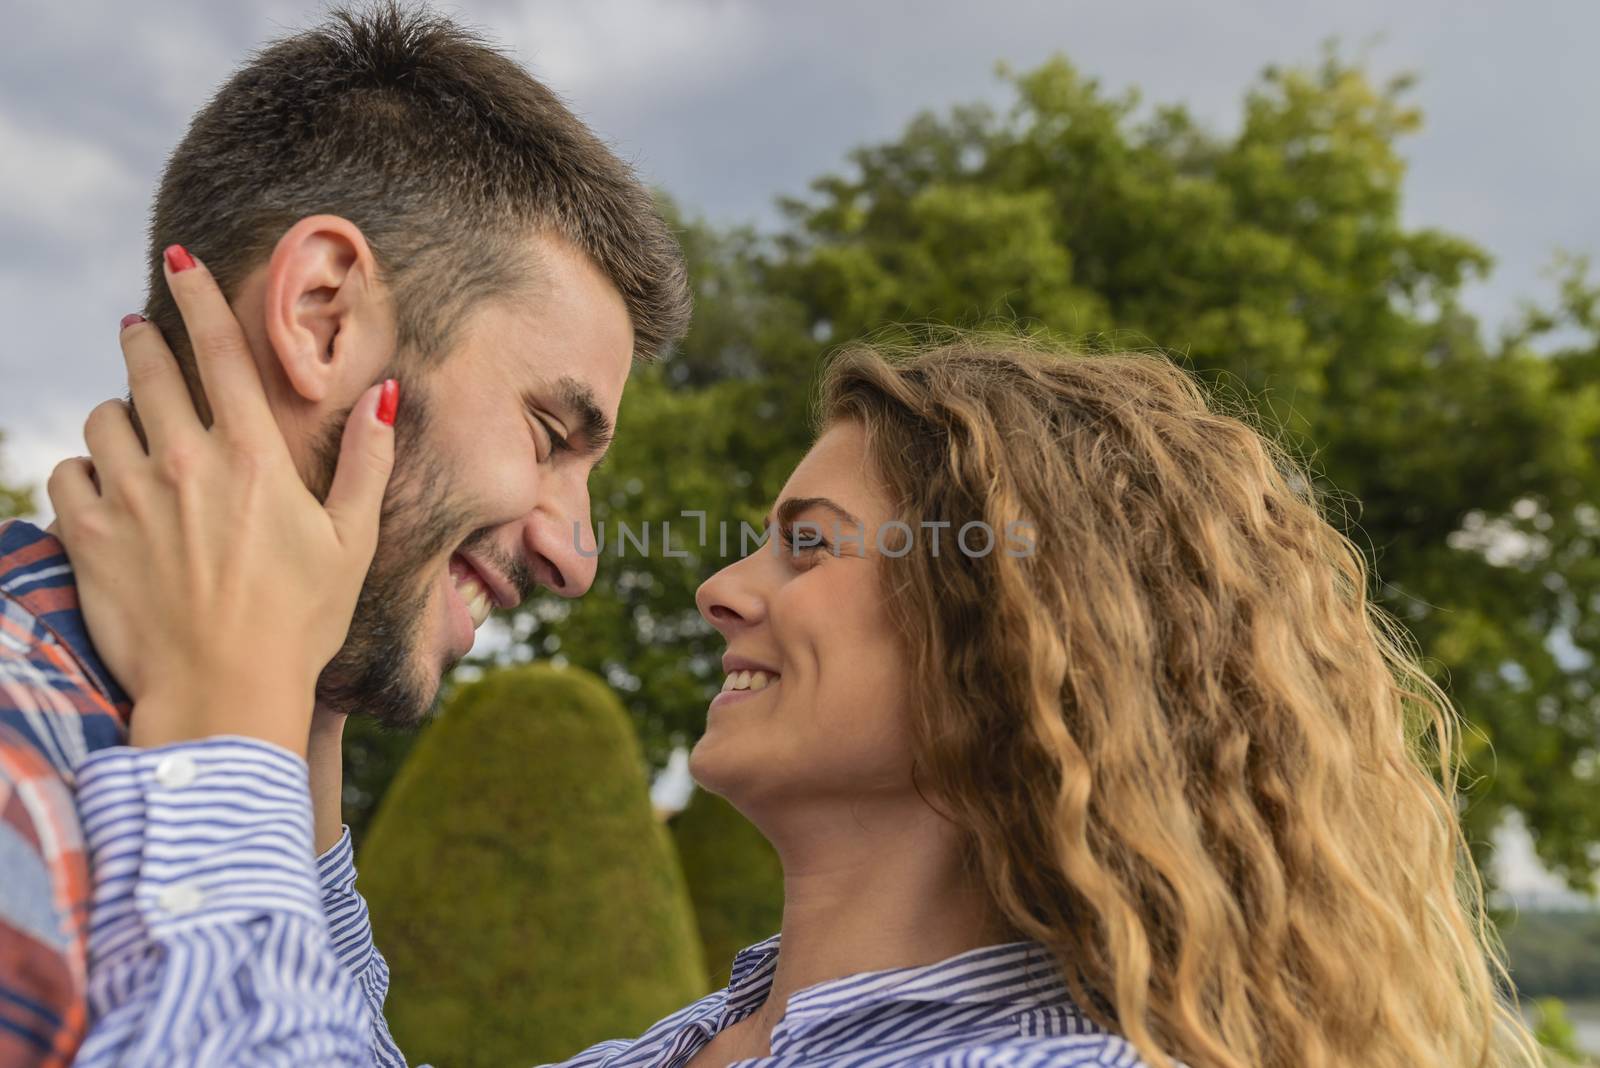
748 680
478 600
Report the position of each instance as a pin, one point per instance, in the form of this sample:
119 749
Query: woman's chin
703 766
716 766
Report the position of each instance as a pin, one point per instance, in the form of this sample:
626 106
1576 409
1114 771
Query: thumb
366 458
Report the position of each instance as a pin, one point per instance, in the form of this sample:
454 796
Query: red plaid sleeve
57 705
43 909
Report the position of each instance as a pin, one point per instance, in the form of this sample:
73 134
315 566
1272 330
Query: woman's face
818 711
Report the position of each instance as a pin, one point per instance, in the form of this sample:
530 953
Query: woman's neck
870 888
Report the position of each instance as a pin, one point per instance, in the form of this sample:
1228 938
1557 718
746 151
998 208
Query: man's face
493 450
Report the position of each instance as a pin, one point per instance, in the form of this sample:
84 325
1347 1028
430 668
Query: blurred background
1374 221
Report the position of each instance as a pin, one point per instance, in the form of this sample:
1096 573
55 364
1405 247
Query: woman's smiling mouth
742 684
748 680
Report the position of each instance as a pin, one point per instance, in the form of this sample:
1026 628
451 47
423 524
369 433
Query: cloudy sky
729 104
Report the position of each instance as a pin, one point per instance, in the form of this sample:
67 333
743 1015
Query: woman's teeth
747 680
477 598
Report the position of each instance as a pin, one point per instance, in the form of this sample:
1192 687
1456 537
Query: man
382 198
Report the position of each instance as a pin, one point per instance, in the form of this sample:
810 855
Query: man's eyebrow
575 404
792 508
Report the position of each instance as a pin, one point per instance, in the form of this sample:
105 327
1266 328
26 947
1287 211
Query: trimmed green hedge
526 899
735 880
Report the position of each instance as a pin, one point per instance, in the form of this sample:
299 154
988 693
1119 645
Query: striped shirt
211 942
211 945
211 937
61 716
999 1007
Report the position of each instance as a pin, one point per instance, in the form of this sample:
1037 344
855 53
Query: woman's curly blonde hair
1194 759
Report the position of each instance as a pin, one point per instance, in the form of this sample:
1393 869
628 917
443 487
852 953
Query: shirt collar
751 976
1011 978
36 574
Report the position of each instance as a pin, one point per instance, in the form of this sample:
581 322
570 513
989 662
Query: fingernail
389 401
178 258
131 318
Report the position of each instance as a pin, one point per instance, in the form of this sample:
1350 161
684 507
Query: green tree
1277 263
1554 1031
1554 953
527 900
14 500
735 880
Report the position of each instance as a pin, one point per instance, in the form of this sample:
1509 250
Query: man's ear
320 296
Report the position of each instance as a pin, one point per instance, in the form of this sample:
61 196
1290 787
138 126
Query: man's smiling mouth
474 592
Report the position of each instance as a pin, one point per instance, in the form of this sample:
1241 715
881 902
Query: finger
72 492
227 370
156 383
366 459
109 434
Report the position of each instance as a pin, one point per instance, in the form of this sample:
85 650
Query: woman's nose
730 598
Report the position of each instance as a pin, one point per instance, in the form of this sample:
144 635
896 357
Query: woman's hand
215 586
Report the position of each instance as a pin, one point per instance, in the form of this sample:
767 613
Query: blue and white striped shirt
216 940
998 1007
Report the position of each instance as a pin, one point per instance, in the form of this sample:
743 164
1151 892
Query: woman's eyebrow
791 509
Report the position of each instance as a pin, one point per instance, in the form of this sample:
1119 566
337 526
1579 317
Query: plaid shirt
58 704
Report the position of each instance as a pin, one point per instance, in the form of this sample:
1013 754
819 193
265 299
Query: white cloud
55 181
29 453
182 61
673 787
606 52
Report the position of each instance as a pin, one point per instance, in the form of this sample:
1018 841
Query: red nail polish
131 318
389 402
178 258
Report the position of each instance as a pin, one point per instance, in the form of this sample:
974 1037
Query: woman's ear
319 281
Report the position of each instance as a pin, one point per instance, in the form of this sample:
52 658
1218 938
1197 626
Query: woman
1079 741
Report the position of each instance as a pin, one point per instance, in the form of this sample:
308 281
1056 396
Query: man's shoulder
43 906
49 710
27 555
37 814
56 699
51 717
36 581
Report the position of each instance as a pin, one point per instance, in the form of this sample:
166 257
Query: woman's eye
804 542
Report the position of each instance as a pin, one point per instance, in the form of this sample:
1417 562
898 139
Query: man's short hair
446 153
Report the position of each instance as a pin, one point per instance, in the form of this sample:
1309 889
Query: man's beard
378 671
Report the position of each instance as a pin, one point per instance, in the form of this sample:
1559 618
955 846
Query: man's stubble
379 670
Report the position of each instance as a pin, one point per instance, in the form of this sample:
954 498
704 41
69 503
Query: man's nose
561 550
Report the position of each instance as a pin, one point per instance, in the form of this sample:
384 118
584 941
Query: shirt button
180 897
175 771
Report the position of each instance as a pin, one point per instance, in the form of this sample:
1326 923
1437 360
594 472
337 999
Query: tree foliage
735 880
1555 954
1275 261
14 500
527 901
